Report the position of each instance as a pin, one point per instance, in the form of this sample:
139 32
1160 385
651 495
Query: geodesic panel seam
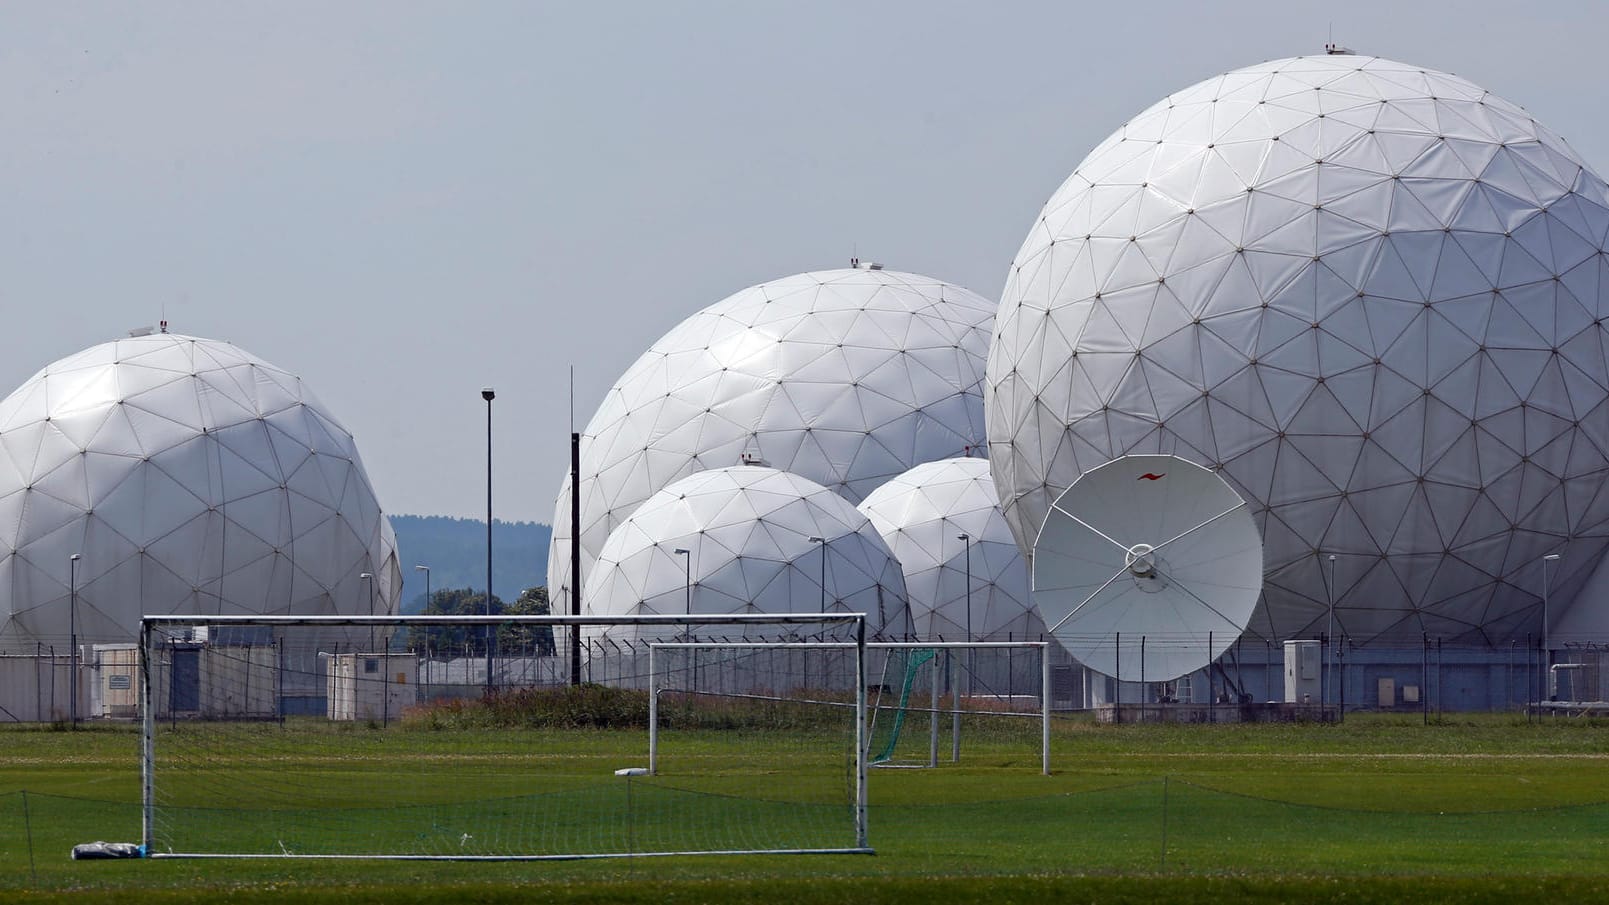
190 478
845 377
922 515
748 531
1372 296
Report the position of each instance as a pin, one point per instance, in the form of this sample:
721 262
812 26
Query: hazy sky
404 202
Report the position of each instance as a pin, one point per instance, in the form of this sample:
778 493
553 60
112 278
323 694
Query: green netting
914 661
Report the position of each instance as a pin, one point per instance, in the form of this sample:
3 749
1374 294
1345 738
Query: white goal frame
956 711
149 624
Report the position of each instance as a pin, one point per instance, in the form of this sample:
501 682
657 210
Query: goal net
465 738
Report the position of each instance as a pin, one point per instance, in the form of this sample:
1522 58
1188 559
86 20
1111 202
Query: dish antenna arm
1096 531
1209 607
1231 509
1094 594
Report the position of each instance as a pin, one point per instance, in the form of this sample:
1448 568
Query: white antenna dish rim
1213 587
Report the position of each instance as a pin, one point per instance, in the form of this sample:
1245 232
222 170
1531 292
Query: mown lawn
1381 808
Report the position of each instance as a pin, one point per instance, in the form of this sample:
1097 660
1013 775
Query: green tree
466 640
537 639
453 639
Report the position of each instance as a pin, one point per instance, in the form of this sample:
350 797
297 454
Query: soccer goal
466 738
995 694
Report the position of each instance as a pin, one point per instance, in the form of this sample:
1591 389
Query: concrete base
1270 712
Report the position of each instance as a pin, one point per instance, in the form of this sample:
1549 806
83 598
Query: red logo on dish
1152 476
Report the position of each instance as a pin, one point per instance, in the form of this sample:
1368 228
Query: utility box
118 683
1387 691
376 687
1304 676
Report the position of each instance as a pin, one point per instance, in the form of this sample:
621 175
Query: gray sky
404 202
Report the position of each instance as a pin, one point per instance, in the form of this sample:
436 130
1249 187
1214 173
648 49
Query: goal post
460 738
1000 688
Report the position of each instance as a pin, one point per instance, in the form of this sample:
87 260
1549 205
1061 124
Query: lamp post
368 579
1329 633
823 542
1547 638
687 585
488 394
967 543
971 662
72 638
426 570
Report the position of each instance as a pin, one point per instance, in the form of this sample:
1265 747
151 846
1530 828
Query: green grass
1382 808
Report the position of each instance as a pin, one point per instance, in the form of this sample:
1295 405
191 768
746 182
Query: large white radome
1372 296
191 478
921 514
846 377
748 531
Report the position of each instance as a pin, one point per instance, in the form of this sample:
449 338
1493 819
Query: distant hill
455 551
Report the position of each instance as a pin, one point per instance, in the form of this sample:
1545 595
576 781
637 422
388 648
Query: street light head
366 575
1332 557
488 394
421 568
1551 557
74 557
962 538
681 552
817 540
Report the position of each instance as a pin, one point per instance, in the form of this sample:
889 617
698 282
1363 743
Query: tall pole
426 570
687 583
822 541
1547 634
72 639
575 556
1329 634
488 394
368 585
972 676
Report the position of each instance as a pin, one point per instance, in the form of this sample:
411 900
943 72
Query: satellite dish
1148 547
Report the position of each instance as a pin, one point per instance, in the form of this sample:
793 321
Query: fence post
1340 654
1117 680
1424 678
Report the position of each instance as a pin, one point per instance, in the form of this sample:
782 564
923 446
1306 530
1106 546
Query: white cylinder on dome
845 377
751 536
1371 296
190 478
923 515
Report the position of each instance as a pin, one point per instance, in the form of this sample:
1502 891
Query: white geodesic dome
922 514
846 377
1371 295
191 478
748 531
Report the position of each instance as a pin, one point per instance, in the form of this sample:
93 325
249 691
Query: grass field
1381 808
